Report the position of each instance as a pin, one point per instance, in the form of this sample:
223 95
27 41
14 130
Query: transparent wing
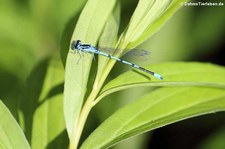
138 52
107 50
134 54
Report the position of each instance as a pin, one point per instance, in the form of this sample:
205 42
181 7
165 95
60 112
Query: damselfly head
75 44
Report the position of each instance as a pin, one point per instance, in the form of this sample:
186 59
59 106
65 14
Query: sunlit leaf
145 14
174 74
88 29
11 135
108 37
148 17
158 108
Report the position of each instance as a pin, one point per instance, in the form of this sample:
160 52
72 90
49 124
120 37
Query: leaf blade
108 38
88 30
49 107
11 135
142 18
147 19
174 73
153 111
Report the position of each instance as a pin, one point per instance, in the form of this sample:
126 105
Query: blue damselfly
87 48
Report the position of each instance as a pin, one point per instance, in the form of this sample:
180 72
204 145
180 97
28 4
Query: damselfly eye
75 44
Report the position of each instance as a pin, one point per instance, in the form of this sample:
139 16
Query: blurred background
31 31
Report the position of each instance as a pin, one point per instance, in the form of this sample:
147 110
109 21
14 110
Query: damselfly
87 48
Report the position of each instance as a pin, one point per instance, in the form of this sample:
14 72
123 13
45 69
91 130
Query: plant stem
89 104
82 118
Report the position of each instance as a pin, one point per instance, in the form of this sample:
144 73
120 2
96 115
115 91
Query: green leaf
158 108
11 135
49 111
174 74
108 38
146 12
148 17
30 97
88 29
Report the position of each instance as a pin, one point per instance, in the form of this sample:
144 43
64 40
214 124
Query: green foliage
77 74
50 107
175 75
11 135
156 109
145 14
46 111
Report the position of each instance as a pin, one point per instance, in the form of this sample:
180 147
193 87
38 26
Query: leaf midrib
140 111
140 84
161 117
